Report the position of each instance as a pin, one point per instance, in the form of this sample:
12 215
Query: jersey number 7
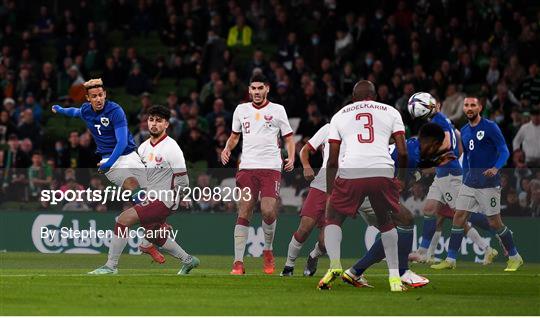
97 127
367 135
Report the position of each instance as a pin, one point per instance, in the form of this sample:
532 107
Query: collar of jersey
262 106
159 140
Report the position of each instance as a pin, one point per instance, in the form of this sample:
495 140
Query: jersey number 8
471 144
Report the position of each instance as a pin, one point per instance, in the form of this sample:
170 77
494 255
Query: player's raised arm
121 134
119 122
69 112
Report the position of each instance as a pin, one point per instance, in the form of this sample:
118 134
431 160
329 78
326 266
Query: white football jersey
365 128
320 141
260 128
164 161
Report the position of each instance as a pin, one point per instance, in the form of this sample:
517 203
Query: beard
155 133
472 117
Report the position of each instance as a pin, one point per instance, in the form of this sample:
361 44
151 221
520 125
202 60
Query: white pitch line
276 276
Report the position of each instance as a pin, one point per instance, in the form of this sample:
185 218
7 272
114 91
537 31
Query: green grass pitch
56 284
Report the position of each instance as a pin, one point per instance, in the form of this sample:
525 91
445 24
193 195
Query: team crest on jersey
105 121
159 159
268 117
480 135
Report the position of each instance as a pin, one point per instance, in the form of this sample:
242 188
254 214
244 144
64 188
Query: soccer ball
421 105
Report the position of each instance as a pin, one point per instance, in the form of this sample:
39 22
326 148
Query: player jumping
120 162
166 169
445 186
260 123
367 169
485 152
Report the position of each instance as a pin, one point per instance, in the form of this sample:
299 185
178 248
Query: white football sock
316 252
434 243
332 240
422 250
176 251
476 238
268 230
294 250
115 250
240 239
145 243
389 240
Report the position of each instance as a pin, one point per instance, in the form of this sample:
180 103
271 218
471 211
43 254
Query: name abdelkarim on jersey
102 125
365 128
260 128
164 161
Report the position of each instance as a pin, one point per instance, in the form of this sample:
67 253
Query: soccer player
107 123
485 152
367 169
260 123
428 150
444 188
166 170
312 213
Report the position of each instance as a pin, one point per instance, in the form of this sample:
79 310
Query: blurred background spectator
197 56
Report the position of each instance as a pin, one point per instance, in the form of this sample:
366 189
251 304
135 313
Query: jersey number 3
367 135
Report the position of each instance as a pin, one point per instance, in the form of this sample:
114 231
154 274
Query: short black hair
159 111
258 77
431 131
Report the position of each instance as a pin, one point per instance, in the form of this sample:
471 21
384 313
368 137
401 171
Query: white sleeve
319 138
176 158
141 151
398 127
236 124
333 132
284 125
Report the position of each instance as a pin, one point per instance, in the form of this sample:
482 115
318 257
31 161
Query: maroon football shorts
315 206
348 194
260 181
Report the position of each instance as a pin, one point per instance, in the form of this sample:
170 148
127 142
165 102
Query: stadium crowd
313 52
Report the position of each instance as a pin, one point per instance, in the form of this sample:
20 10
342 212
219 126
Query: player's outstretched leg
456 237
489 253
119 240
164 241
313 257
297 241
132 184
515 261
428 230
